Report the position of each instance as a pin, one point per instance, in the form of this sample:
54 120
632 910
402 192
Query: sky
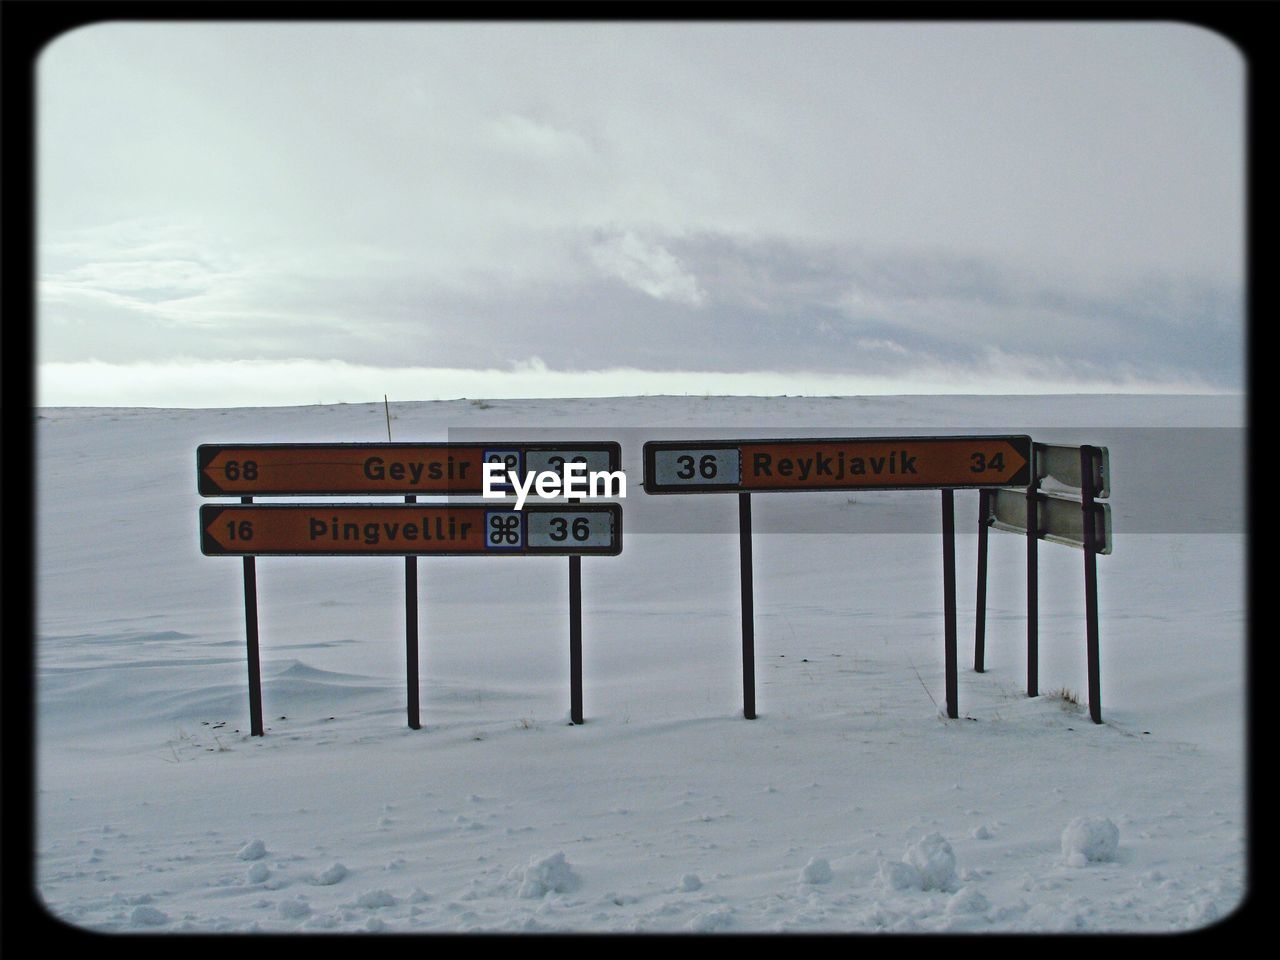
243 214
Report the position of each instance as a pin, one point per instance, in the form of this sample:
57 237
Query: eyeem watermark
574 480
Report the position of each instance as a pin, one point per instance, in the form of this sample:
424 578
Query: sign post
980 614
949 599
409 530
411 634
1060 505
369 529
835 464
1090 586
1033 589
575 640
251 642
748 608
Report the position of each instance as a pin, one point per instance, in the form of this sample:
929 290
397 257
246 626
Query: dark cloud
760 305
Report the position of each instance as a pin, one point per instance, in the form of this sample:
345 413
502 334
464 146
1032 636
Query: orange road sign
863 463
409 529
345 469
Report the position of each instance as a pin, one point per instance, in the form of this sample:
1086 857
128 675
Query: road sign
1061 466
1058 519
410 529
372 469
863 463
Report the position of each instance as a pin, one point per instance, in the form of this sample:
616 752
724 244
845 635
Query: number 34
981 464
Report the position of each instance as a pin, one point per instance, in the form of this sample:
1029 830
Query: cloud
695 301
540 141
647 266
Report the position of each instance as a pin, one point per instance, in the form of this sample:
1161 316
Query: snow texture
330 875
967 900
253 850
934 861
666 811
294 909
546 875
373 899
148 916
1089 840
897 875
817 870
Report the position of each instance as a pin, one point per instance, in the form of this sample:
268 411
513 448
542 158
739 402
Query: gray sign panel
570 529
694 467
1059 519
1060 465
596 461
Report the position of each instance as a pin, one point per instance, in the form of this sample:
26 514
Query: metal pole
748 609
1090 583
575 635
411 633
949 597
251 642
575 639
1033 585
980 616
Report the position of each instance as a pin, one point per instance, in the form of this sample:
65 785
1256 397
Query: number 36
561 529
706 467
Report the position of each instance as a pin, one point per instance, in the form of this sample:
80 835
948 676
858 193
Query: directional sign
874 463
1061 466
345 469
1059 519
409 529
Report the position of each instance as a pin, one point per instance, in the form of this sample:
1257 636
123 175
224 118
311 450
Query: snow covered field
850 804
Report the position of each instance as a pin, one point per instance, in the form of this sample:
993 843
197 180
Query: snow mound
294 909
373 899
718 919
258 873
817 870
933 858
330 876
148 916
545 875
253 850
968 900
1089 839
690 882
897 875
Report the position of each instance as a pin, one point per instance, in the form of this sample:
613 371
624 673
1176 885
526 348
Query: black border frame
27 25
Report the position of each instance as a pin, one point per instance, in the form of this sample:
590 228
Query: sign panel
862 463
373 469
409 529
1059 519
1060 465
